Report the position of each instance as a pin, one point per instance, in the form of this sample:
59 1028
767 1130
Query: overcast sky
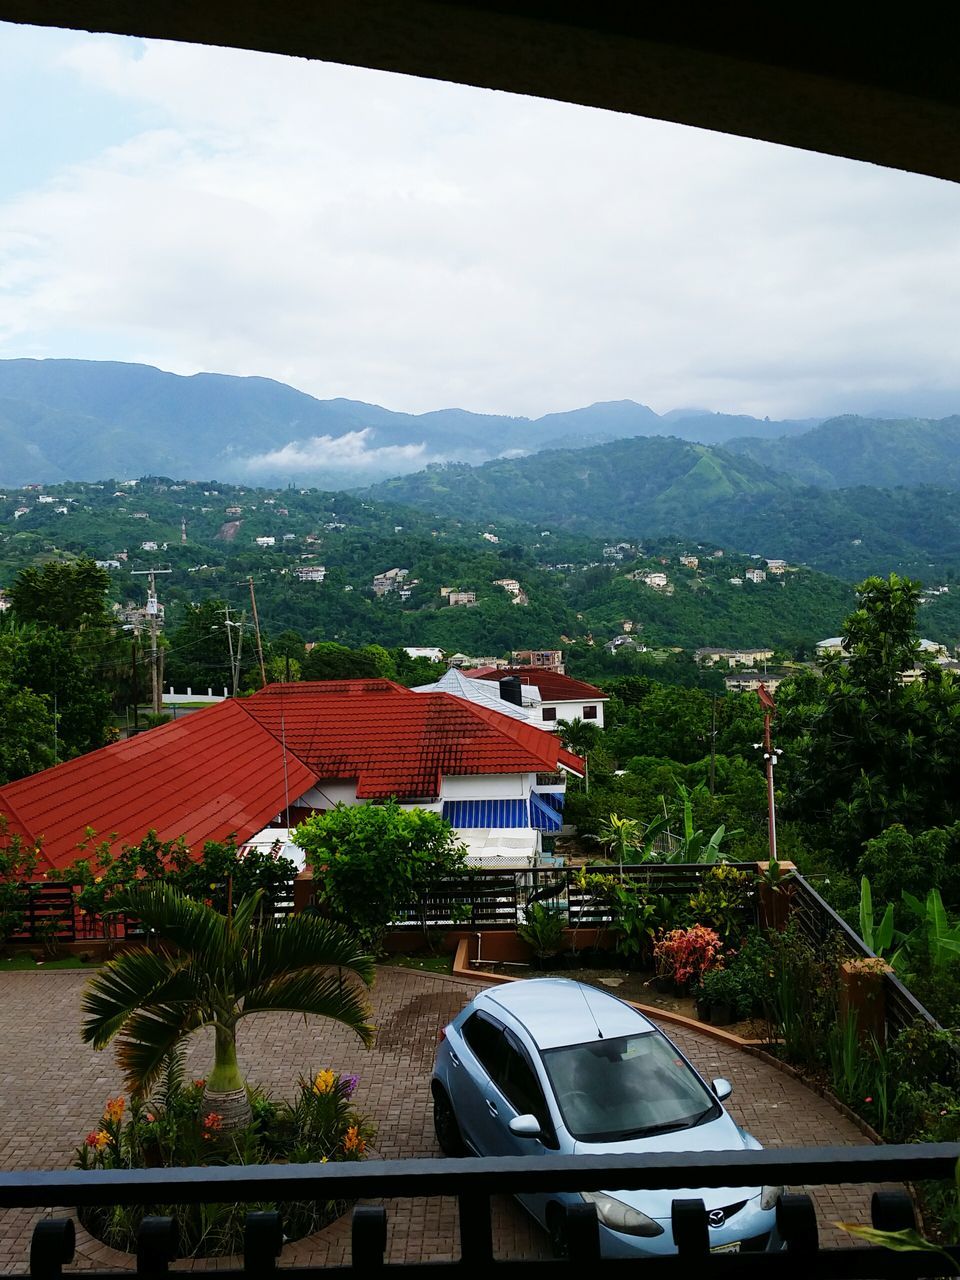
423 245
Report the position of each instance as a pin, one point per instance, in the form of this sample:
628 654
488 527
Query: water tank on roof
511 690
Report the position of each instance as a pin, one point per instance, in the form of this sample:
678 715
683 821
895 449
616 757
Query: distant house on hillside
465 598
542 659
755 575
389 580
750 681
266 541
311 572
690 562
735 657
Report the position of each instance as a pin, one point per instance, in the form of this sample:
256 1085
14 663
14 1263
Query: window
485 1038
589 713
549 713
520 1086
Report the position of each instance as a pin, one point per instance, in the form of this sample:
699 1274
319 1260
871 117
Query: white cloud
349 451
423 245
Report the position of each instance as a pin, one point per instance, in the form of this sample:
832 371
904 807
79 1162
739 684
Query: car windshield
630 1087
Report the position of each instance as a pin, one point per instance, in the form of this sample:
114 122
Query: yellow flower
353 1142
323 1159
114 1109
100 1139
324 1081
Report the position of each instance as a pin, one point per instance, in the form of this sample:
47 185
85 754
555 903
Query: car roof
558 1011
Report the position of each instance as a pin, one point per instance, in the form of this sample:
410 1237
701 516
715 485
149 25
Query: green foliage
371 863
172 1129
745 983
863 750
68 595
804 995
222 873
542 930
725 901
18 860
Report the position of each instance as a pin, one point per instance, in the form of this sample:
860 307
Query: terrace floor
53 1087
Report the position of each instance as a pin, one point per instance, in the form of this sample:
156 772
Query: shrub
169 1130
725 899
542 930
687 954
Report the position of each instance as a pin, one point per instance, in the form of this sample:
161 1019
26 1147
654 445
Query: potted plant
720 992
542 931
685 955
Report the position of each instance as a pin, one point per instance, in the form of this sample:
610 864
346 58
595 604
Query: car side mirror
525 1127
722 1088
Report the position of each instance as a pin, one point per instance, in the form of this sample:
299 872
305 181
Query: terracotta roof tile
553 686
221 770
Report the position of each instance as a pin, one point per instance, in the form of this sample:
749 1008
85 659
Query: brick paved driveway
52 1088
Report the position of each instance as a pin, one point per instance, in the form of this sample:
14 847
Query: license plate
726 1248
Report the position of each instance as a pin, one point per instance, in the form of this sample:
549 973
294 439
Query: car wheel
445 1125
557 1228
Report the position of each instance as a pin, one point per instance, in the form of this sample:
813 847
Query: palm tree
211 970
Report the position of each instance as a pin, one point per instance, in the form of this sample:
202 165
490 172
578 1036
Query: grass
428 964
10 964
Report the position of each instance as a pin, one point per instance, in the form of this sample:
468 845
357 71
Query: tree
69 595
865 749
372 862
198 656
578 736
208 969
329 661
27 733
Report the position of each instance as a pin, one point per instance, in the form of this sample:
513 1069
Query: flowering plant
172 1128
685 955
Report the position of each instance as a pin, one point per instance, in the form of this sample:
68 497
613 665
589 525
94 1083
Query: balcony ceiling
846 81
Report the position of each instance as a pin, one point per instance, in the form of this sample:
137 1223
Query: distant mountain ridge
80 419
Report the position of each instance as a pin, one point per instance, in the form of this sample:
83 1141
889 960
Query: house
233 511
505 696
510 585
750 681
388 581
542 659
107 564
430 652
559 696
311 572
777 567
149 545
241 766
733 657
466 598
656 580
44 497
489 537
21 511
735 582
266 541
690 562
755 575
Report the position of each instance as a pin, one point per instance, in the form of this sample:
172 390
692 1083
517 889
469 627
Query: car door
521 1094
477 1101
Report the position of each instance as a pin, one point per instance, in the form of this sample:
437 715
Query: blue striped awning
544 816
554 799
466 815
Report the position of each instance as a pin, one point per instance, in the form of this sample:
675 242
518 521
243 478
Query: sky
423 245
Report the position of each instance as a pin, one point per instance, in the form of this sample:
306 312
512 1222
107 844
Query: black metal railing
492 899
474 1182
820 922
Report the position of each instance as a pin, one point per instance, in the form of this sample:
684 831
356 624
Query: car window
485 1037
519 1085
629 1087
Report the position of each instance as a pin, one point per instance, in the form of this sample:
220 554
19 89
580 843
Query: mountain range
84 419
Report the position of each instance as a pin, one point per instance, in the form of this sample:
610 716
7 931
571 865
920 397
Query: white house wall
574 711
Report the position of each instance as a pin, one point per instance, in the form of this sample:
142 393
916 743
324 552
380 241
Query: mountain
653 487
80 419
848 451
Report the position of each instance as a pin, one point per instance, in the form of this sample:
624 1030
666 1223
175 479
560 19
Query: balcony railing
474 1182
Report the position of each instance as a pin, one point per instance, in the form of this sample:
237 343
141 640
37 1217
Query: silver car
553 1066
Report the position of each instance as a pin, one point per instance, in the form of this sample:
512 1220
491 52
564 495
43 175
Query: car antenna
583 992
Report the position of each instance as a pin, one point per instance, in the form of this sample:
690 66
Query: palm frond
148 1039
323 993
243 915
136 978
301 942
188 924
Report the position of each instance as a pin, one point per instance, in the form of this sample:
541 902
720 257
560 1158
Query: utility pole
770 758
256 627
713 745
153 613
234 657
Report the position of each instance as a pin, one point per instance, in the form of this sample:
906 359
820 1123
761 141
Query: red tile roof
553 686
395 742
221 770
